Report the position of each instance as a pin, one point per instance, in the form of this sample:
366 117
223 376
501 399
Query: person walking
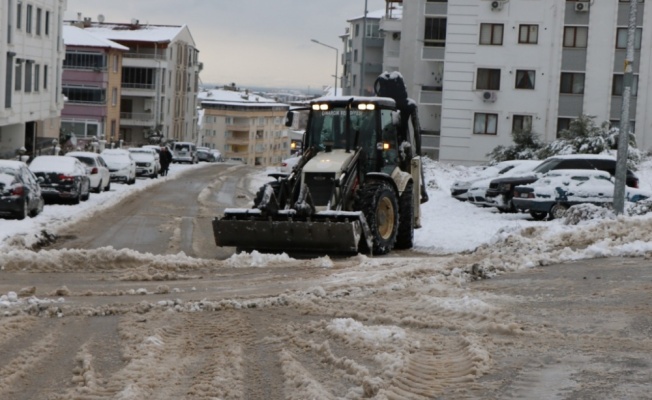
166 159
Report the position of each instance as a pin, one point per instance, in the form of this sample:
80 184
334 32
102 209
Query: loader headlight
322 107
364 106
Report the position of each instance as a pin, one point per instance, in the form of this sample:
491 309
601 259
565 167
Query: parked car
184 152
216 156
288 164
157 152
20 193
61 178
555 192
478 190
501 190
96 168
459 189
122 166
204 154
146 163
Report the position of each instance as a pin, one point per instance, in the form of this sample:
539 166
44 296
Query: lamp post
337 56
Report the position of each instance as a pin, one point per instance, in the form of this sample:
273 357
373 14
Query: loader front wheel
405 237
377 201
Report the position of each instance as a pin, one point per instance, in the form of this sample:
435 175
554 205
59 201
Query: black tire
98 189
39 207
88 193
405 236
108 187
377 201
24 212
558 211
538 215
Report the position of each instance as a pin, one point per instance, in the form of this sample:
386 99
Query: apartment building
159 82
31 54
92 76
245 126
362 57
481 69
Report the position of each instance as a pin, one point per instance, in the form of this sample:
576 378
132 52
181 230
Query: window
45 77
488 79
491 34
357 30
28 76
525 79
84 94
355 55
435 33
19 16
576 36
572 83
373 29
82 60
485 124
116 63
37 77
47 23
28 20
114 97
563 124
621 38
617 86
39 14
522 123
138 78
528 34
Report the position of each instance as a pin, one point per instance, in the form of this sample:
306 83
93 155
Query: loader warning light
385 146
366 106
318 107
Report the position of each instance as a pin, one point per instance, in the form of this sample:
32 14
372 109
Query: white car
477 191
459 189
288 164
146 162
96 168
122 166
184 152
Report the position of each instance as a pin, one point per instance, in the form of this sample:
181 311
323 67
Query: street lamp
337 56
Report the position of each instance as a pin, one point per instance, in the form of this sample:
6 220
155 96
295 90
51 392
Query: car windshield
86 160
8 171
546 166
328 127
182 147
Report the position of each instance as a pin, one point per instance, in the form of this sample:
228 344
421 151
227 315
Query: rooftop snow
73 36
144 33
230 97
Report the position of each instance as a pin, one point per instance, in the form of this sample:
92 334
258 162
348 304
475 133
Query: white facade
31 54
360 60
553 63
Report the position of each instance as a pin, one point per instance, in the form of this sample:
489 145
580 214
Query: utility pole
337 58
623 136
364 44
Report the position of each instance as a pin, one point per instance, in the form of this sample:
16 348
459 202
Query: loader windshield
328 128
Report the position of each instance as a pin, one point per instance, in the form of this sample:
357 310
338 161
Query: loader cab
356 123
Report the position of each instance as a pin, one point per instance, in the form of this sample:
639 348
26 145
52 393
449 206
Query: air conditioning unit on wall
496 5
582 6
489 96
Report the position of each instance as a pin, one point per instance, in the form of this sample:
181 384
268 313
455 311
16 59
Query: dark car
20 193
204 154
501 190
61 178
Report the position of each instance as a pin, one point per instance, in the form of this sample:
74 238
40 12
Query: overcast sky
249 42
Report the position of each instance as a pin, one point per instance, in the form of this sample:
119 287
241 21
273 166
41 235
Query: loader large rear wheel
377 201
405 237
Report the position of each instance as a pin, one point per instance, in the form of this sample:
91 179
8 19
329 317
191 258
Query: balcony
430 95
138 89
433 52
137 119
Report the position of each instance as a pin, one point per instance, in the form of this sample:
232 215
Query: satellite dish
100 18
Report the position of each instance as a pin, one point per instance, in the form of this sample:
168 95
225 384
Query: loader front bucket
330 233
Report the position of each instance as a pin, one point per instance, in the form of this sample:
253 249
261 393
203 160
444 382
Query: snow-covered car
459 189
501 190
216 156
122 166
478 190
20 193
558 190
204 154
146 163
61 178
96 168
288 164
